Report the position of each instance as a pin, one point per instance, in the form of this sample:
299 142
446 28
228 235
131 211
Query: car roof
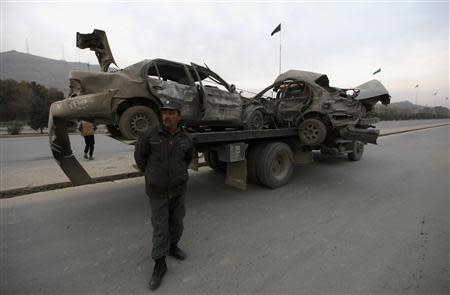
306 76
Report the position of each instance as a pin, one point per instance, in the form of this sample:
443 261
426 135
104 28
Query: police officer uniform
164 158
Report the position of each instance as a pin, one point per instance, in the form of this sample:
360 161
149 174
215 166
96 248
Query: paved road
379 225
17 153
35 151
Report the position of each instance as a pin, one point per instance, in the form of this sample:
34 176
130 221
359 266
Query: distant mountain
45 71
406 105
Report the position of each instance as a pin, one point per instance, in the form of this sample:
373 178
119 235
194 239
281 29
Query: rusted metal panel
185 95
222 107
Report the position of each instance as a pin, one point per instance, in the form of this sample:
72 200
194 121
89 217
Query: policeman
163 154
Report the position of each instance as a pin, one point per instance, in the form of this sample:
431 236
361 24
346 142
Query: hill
45 71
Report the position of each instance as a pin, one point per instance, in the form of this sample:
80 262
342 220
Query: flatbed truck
264 156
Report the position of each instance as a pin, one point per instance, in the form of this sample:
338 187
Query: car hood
98 42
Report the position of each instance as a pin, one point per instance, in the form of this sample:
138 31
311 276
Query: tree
41 99
14 100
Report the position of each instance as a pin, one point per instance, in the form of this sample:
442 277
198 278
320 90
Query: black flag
277 29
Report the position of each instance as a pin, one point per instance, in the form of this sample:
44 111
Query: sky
347 40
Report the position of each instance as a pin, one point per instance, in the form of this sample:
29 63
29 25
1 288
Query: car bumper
85 107
363 135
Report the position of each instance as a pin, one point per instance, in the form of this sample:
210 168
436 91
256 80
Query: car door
220 106
295 97
172 81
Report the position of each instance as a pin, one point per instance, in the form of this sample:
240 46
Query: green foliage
26 101
41 99
14 100
15 128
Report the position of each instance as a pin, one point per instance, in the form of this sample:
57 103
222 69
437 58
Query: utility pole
28 49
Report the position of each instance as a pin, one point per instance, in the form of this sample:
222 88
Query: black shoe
177 252
158 273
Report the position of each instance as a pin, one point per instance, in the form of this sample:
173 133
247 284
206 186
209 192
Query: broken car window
171 72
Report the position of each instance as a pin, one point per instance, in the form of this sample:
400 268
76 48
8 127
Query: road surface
380 225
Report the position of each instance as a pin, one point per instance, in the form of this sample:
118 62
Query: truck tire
312 131
135 120
357 151
212 159
252 160
275 165
255 121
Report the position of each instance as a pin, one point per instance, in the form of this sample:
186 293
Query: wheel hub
139 123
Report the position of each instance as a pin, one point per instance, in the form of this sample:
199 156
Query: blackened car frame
325 116
128 100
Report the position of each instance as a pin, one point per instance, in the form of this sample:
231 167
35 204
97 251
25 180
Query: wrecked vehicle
283 124
128 100
322 114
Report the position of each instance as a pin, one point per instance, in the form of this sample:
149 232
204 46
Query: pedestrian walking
87 130
163 154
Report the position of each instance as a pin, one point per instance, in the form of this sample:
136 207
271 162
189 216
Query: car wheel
312 131
255 121
212 159
356 151
275 166
113 129
137 119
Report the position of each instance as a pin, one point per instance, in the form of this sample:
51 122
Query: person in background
87 130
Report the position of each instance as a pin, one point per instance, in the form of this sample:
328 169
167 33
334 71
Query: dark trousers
89 141
167 222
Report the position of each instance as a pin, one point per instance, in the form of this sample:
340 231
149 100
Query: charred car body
323 114
128 100
283 124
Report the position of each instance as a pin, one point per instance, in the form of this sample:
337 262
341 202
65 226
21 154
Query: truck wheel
253 156
275 164
357 151
212 159
137 119
312 131
255 121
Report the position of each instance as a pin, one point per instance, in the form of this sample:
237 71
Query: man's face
170 118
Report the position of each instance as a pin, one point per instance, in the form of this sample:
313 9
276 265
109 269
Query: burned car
322 114
128 100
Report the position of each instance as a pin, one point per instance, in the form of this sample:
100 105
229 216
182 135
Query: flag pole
279 66
417 92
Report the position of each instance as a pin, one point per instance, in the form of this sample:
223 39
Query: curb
48 187
413 129
40 134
